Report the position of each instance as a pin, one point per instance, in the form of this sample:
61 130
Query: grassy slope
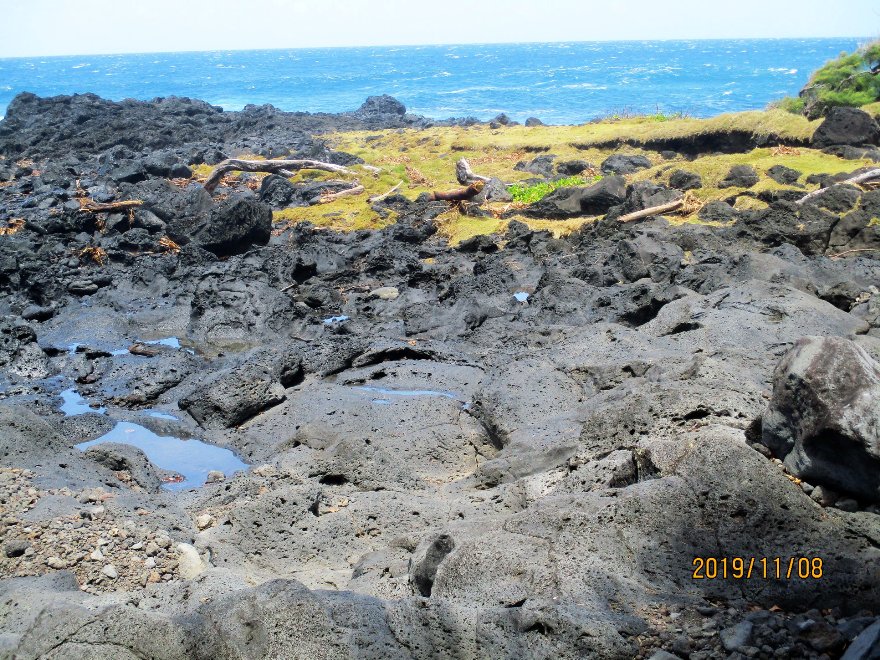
424 160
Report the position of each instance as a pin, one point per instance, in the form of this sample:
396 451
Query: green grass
424 161
793 104
531 194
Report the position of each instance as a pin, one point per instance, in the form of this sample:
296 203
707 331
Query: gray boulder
237 394
866 646
120 457
19 353
823 419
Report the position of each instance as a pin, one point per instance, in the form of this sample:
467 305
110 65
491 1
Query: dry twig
96 254
348 192
12 226
379 198
846 252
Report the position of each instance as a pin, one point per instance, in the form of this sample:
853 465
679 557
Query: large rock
19 353
847 126
540 165
574 202
120 457
824 417
375 107
740 176
624 164
685 180
277 191
234 226
235 395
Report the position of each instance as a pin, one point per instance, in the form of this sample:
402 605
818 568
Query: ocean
560 83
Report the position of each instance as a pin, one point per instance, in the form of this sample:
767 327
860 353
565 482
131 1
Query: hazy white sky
73 27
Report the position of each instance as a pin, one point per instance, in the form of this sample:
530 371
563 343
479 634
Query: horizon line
436 45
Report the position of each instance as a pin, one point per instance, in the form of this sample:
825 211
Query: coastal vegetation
422 161
850 80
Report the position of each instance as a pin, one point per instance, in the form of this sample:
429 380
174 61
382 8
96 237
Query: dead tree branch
460 195
283 167
861 178
379 198
465 174
654 210
348 192
855 251
91 206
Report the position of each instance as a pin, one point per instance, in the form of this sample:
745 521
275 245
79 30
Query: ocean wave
584 86
80 66
465 90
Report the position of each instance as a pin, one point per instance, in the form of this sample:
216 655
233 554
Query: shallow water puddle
336 319
73 404
191 458
521 296
412 393
170 342
160 415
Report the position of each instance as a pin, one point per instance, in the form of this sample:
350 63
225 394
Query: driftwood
861 178
91 206
654 210
461 195
379 198
465 174
282 167
855 251
357 189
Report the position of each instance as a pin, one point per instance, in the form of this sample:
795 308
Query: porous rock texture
449 472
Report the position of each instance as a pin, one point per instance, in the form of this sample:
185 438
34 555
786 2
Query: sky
78 27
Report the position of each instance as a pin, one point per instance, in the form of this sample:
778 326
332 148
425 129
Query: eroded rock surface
516 447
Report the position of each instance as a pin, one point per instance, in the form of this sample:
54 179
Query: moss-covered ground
424 161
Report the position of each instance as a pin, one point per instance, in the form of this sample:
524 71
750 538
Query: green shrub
538 191
793 104
845 81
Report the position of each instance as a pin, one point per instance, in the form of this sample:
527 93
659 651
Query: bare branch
861 178
284 167
465 174
91 206
654 210
461 195
379 198
348 192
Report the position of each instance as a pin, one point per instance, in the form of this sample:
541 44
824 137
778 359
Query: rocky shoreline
517 446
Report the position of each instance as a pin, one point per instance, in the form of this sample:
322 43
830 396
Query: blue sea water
561 83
